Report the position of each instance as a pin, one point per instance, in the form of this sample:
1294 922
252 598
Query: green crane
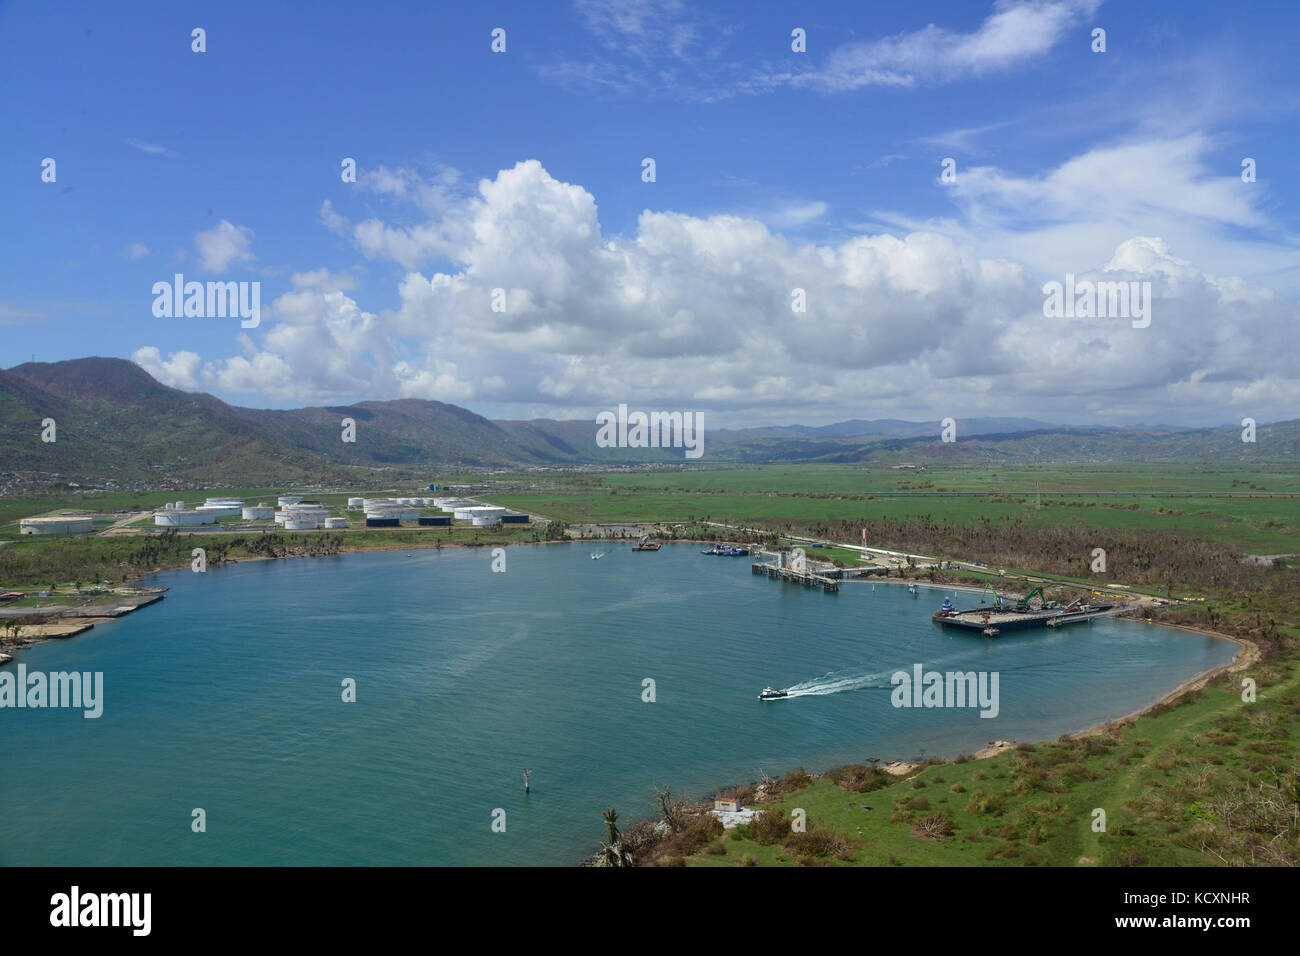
1023 603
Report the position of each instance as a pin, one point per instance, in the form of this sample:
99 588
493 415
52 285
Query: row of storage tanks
391 511
296 514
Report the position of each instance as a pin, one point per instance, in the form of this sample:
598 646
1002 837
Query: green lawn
1165 783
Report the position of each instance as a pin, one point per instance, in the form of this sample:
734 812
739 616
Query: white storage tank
298 523
288 500
336 522
57 524
182 518
259 513
222 511
356 502
486 521
393 511
179 506
300 513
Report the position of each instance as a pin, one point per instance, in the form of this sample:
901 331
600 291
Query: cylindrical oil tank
511 518
439 521
382 523
180 517
301 524
336 522
56 524
288 500
258 513
222 511
356 502
486 521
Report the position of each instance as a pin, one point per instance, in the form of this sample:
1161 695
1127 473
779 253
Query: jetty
810 574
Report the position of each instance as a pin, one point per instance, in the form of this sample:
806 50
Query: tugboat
771 693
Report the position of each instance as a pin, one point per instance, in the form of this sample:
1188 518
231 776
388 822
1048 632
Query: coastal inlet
227 696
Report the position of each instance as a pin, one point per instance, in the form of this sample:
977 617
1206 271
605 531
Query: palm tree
614 854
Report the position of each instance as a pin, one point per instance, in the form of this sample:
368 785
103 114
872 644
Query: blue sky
775 170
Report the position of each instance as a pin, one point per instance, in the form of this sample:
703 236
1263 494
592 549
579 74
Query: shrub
932 826
817 842
857 778
701 830
795 780
770 826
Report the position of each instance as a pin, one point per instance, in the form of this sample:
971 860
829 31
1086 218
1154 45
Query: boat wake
836 682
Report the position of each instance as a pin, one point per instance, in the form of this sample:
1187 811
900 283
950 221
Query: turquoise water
227 696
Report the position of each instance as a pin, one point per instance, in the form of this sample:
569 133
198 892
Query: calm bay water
226 696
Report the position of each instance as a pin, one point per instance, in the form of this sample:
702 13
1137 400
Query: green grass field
1091 497
1168 785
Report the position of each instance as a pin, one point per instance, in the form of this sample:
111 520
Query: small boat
597 557
911 589
771 693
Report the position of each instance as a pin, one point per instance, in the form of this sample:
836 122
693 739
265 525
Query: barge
996 617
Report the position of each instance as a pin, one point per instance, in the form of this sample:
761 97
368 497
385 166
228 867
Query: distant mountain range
115 421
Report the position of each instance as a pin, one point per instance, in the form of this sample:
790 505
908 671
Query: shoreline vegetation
1197 775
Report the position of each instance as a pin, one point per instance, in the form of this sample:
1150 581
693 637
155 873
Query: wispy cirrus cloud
669 37
1015 33
152 148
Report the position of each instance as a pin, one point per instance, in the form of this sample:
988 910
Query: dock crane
1023 603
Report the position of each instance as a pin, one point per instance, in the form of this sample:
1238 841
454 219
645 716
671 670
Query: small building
726 805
